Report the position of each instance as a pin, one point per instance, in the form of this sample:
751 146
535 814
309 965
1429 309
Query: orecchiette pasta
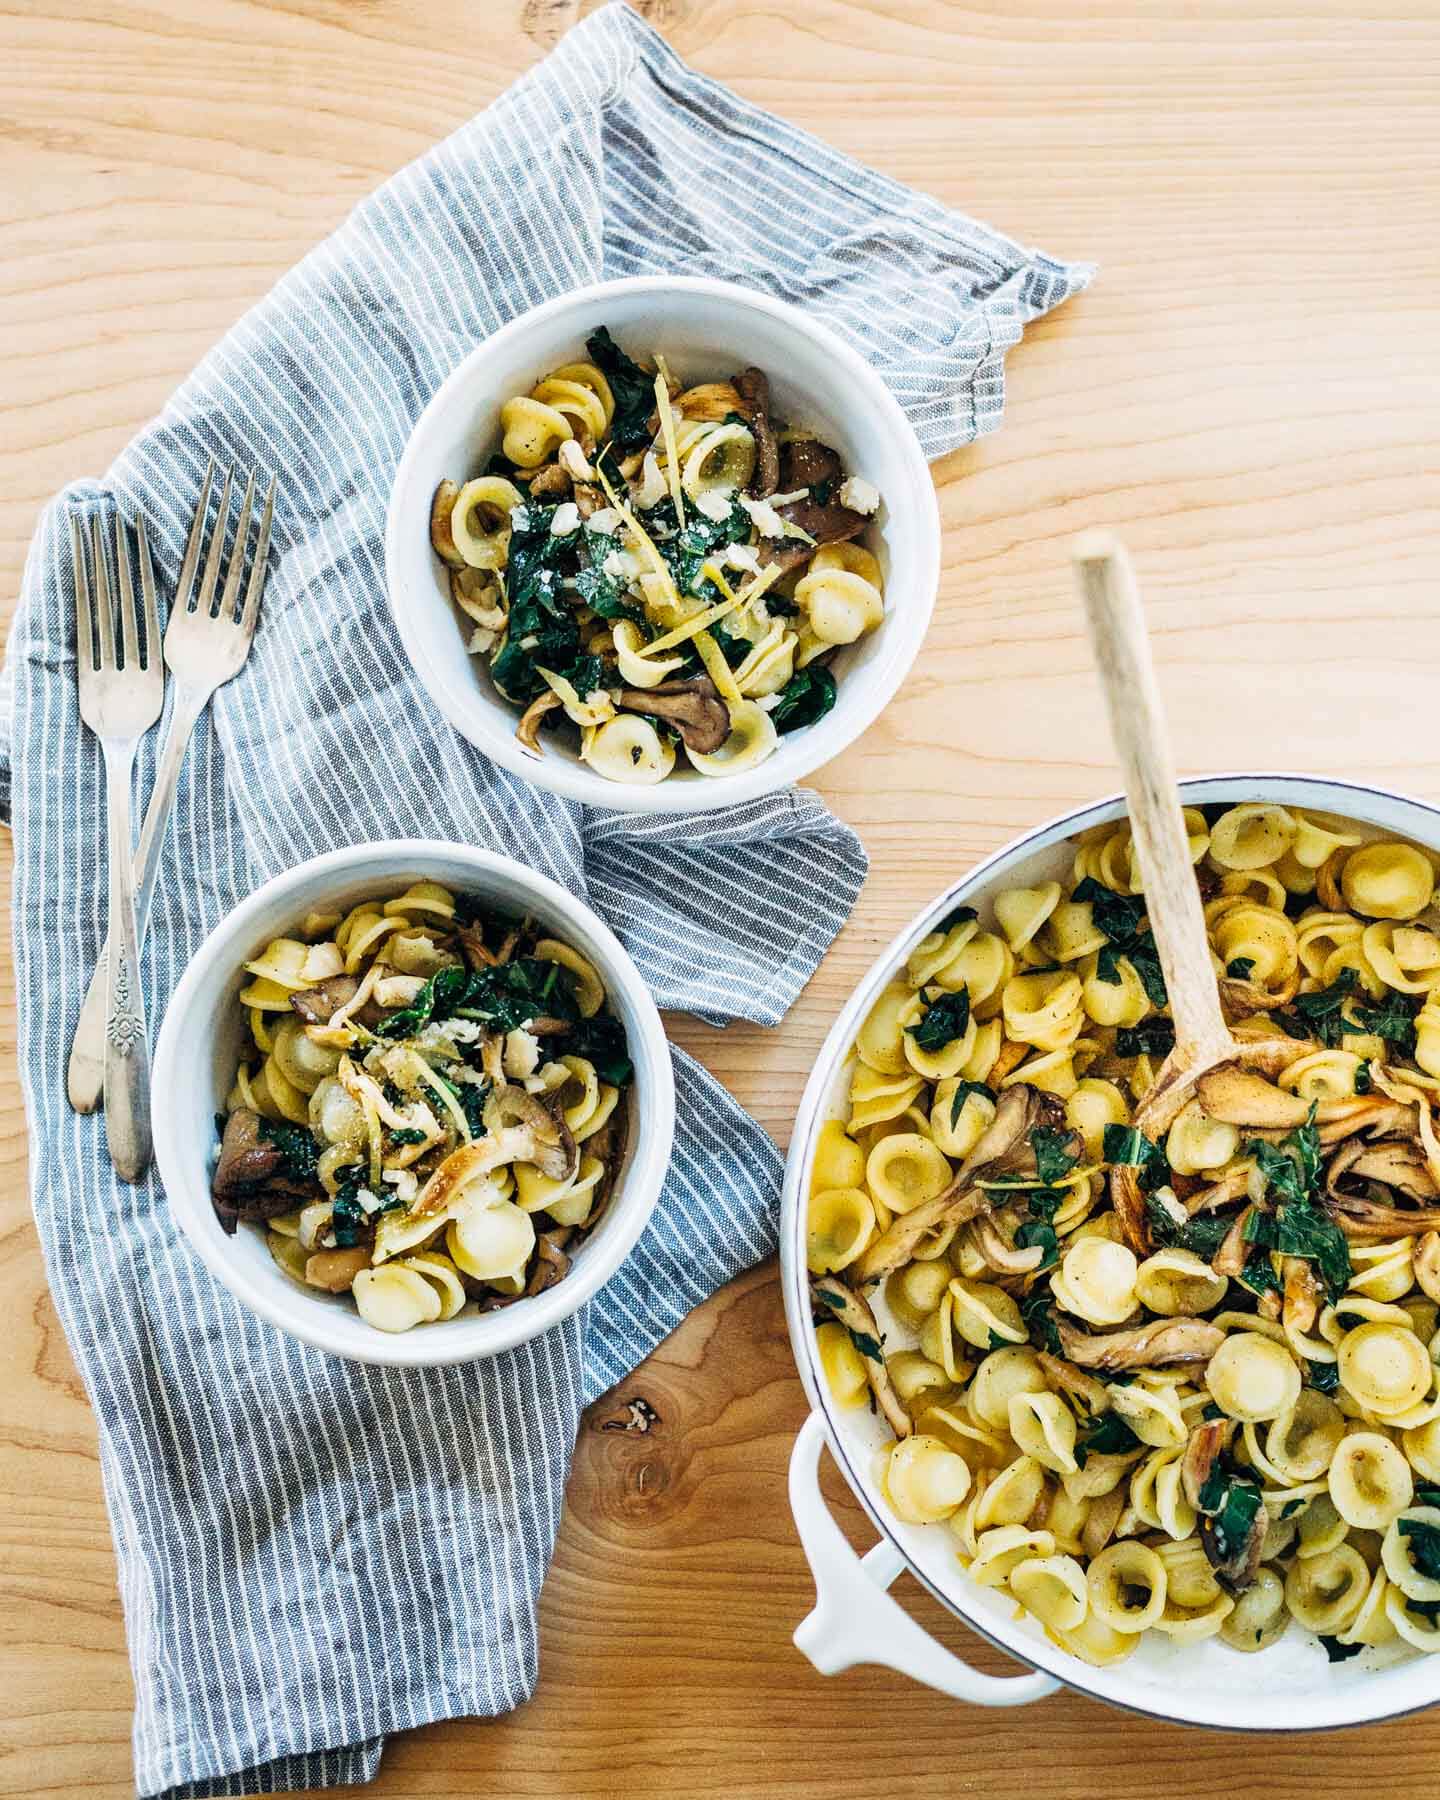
663 571
395 1124
1192 1379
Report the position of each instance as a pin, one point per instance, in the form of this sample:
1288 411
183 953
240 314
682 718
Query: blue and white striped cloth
314 1554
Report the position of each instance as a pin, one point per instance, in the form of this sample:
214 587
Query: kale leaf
1203 1235
600 1039
1151 1037
1240 968
1320 1015
1364 1081
299 1153
1338 1652
632 388
1392 1018
1129 1147
1424 1546
1298 1226
1040 1322
1053 1158
1119 916
1039 1231
1108 1436
807 696
959 915
963 1091
943 1020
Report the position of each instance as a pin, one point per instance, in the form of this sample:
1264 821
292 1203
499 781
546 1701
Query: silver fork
205 645
120 699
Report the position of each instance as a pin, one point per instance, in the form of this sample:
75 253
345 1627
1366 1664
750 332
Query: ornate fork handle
127 1045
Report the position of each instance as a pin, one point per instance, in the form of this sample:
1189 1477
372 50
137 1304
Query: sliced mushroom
1373 1114
1327 881
335 1270
833 1300
753 388
1367 1219
896 1244
693 707
1398 1165
1231 1257
1216 1194
441 540
1102 1518
1092 1394
1164 1343
553 1149
1242 999
1236 1096
1000 1253
589 498
550 483
552 1264
1303 1294
1235 1563
247 1183
319 1004
1208 1441
528 729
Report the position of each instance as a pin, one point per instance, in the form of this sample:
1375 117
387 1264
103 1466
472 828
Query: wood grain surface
1249 392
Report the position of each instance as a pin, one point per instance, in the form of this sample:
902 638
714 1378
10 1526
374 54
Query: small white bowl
195 1066
705 329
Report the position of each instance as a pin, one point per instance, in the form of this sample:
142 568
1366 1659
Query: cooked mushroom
319 1004
753 388
807 463
1236 1561
1237 1097
1242 999
441 507
895 1246
1216 1194
1001 1253
1374 1114
1303 1294
693 707
248 1183
833 1300
526 731
1102 1518
1092 1394
589 498
1327 881
335 1270
550 483
553 1149
1209 1439
552 1264
1367 1219
1230 1258
1398 1165
1164 1343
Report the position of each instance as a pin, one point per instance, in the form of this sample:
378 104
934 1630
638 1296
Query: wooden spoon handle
1137 724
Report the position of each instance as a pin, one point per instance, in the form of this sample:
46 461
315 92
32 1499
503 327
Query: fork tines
191 599
95 603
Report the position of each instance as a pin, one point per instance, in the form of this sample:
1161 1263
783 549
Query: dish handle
856 1621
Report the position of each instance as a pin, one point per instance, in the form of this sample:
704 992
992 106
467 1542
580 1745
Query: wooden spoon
1203 1041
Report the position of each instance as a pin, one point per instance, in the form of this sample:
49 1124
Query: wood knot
637 1415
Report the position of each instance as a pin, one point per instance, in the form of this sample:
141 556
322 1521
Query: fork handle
127 1046
85 1074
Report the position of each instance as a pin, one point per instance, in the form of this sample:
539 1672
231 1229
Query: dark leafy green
1424 1540
601 1041
1054 1158
1324 1377
1119 917
1364 1081
1232 1502
1203 1235
632 387
1320 1015
944 1019
1151 1037
1128 1146
863 1342
1240 968
963 1091
959 915
1109 1435
299 1153
1338 1652
1039 1231
807 696
1299 1225
1040 1322
1392 1018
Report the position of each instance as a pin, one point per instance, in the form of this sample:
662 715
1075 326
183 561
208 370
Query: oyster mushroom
1230 1258
1398 1165
1207 1442
1092 1394
753 388
552 1264
833 1300
1004 1256
319 1004
710 402
553 1149
1235 1559
1164 1343
1303 1294
1102 1518
1242 999
248 1183
1235 1096
441 539
526 731
550 483
693 707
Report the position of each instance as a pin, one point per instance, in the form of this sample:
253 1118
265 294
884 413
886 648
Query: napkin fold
313 1554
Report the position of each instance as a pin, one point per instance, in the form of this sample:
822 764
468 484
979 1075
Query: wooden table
1250 391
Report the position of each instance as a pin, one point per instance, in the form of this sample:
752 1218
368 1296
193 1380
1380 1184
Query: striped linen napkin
314 1554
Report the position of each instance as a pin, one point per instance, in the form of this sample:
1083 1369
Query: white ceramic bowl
705 329
1289 1687
195 1066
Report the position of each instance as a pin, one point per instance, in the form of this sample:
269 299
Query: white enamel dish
1289 1687
706 329
201 1038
